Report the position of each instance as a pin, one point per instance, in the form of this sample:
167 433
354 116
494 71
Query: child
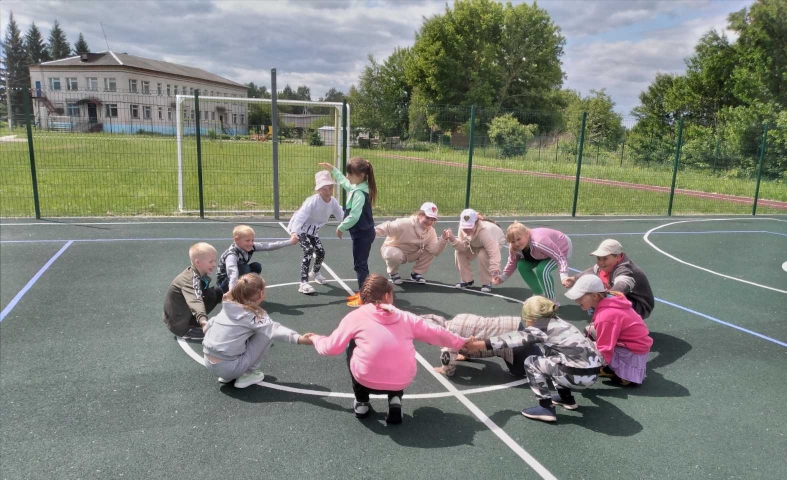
358 215
234 262
620 333
190 297
570 361
481 328
237 338
539 249
481 238
307 221
620 274
411 240
378 339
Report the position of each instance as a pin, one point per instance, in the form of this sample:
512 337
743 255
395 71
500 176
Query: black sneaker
193 334
394 411
396 279
417 278
568 403
464 284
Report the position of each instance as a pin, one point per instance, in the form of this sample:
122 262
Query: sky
618 45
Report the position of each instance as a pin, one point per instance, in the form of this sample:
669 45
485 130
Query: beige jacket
489 236
406 235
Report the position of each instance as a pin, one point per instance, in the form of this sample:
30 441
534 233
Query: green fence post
31 152
675 166
622 150
199 155
470 156
759 169
579 163
346 141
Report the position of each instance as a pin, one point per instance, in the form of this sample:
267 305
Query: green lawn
103 174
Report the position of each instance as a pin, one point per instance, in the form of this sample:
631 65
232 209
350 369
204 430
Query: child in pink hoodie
621 335
378 339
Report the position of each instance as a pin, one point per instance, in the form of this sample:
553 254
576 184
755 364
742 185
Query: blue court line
714 319
32 282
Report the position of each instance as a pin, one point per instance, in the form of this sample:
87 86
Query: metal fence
102 154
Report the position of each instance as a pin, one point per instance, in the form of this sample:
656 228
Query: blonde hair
375 288
514 229
538 308
200 250
242 231
247 288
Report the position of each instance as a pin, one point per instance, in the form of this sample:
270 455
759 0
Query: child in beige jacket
411 240
478 238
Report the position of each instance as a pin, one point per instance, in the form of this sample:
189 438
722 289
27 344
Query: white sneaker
306 288
317 277
224 380
252 377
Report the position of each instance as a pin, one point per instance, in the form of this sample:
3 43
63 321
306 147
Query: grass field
103 174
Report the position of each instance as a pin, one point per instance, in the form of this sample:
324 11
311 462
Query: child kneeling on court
237 338
569 360
190 298
378 340
620 333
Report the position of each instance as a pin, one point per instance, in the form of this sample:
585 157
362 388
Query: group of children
377 337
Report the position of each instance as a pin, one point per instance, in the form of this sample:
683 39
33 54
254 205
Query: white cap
467 218
586 284
429 209
322 179
608 247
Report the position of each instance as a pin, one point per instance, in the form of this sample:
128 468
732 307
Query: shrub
509 136
315 140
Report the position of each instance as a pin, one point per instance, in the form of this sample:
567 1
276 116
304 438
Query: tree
17 74
80 46
381 100
333 95
35 46
58 44
253 91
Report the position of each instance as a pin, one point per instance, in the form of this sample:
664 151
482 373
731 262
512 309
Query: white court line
32 282
647 240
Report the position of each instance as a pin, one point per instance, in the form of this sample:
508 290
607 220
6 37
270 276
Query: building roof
114 59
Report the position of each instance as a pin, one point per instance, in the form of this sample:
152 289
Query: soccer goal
238 153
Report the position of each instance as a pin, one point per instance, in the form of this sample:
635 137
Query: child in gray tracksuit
237 338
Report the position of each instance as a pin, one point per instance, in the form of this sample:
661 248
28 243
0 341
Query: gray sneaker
252 377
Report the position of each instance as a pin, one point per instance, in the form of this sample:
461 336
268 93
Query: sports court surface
94 386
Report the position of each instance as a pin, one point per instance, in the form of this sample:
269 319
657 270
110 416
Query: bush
509 136
315 140
212 135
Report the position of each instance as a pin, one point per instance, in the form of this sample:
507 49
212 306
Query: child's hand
439 370
326 166
306 339
497 280
569 282
339 233
293 239
474 345
448 234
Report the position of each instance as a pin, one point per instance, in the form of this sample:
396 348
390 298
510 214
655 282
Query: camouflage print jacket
562 343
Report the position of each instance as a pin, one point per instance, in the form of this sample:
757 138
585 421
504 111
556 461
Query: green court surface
94 386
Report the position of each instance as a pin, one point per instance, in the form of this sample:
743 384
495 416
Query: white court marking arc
647 240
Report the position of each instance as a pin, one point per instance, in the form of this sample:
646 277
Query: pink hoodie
384 355
617 324
544 243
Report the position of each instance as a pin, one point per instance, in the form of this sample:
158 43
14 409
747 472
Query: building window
192 114
92 83
168 90
134 111
191 90
71 83
132 86
160 113
145 87
54 84
241 119
146 114
169 113
111 110
72 109
176 89
110 85
158 88
234 118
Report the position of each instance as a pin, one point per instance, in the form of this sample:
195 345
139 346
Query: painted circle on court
324 393
784 266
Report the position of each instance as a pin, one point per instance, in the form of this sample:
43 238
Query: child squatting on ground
237 338
480 239
306 224
234 262
378 340
190 298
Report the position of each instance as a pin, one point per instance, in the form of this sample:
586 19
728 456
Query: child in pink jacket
378 339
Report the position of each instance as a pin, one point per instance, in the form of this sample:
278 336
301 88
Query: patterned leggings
545 375
311 245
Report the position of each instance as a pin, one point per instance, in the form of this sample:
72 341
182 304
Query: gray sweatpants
256 346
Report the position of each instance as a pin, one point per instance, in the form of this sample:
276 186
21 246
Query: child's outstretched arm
430 333
268 246
337 175
231 263
510 340
336 342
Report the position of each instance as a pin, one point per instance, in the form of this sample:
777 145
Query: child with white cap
478 238
306 223
411 240
621 336
620 274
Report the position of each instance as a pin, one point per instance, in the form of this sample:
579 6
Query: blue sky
619 45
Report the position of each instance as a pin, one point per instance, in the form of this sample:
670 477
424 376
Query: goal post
229 118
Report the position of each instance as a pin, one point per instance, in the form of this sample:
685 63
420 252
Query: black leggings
362 392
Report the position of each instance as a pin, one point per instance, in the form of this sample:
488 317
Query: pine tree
35 46
17 73
58 44
81 46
